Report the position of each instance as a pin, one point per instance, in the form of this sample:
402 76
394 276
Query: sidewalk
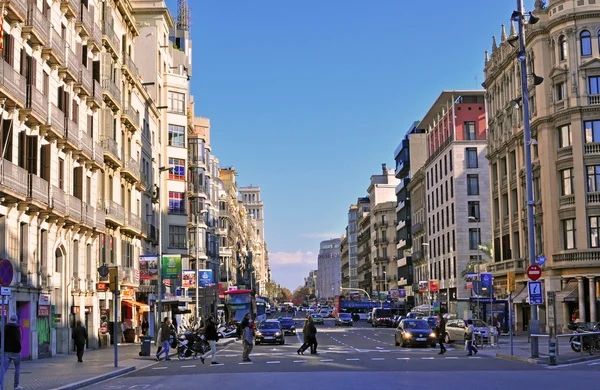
63 372
522 350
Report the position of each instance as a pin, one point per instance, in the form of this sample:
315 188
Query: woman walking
440 331
306 332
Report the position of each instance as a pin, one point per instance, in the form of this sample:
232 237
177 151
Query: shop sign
43 311
101 286
171 266
127 294
44 300
434 285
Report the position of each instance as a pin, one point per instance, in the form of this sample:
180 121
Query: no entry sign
534 272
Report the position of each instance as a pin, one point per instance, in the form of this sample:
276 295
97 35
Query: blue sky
308 98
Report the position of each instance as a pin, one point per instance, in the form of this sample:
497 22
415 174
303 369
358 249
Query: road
356 357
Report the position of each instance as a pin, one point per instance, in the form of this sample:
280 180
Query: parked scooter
590 343
227 331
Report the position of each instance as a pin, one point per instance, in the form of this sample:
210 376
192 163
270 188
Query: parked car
288 325
382 317
318 319
344 319
456 329
415 315
269 331
413 332
432 321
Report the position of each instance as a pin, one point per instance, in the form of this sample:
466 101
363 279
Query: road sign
103 270
535 293
5 291
101 286
534 272
6 272
541 260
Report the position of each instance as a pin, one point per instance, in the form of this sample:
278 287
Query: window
595 232
473 209
471 157
176 202
176 102
562 48
566 178
594 85
472 184
586 43
592 131
451 187
470 131
474 239
560 91
450 158
593 178
177 236
564 136
568 226
178 171
61 173
176 136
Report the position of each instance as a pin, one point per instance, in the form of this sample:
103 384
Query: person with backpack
12 348
440 331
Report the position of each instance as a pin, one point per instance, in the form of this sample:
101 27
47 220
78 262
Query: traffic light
113 278
510 282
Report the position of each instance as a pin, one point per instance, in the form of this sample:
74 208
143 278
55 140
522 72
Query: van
382 317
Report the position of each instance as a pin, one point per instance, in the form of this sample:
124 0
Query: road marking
274 362
192 366
427 358
593 364
377 358
353 359
403 358
277 354
378 348
451 357
299 361
159 368
298 337
326 360
215 365
245 363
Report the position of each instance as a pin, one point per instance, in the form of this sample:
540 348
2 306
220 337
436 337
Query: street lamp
161 170
197 271
426 245
475 219
534 323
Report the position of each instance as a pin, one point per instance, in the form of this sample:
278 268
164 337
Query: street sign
101 286
103 270
5 291
535 293
541 260
6 272
534 272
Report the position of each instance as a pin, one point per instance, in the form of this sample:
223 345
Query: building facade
363 243
250 197
352 234
329 279
345 261
311 281
565 123
417 191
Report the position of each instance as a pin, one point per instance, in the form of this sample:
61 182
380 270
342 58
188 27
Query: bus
237 304
261 309
358 309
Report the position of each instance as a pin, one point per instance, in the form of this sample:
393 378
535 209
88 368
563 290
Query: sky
308 98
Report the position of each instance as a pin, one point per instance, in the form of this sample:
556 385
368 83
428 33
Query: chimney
384 168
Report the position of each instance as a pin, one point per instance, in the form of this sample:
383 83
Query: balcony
13 185
131 168
70 8
16 10
142 184
95 40
88 215
109 38
382 259
115 214
56 129
593 198
85 82
38 191
416 228
566 201
100 220
112 92
503 185
130 69
127 276
132 223
112 153
579 259
84 22
564 153
36 107
36 27
12 85
86 145
418 255
58 201
95 100
74 210
381 241
71 71
130 117
97 155
593 99
592 148
197 190
502 267
54 50
72 135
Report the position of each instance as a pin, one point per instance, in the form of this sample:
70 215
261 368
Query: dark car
382 317
269 331
414 333
288 325
344 319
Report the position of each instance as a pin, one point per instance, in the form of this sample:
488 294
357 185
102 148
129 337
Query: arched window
586 43
562 48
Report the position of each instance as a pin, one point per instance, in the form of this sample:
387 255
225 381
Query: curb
97 379
578 360
519 359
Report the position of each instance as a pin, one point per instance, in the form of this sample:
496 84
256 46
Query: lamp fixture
516 102
537 80
516 16
512 39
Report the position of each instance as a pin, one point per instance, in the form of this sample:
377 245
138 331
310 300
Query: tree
285 294
472 266
302 292
271 289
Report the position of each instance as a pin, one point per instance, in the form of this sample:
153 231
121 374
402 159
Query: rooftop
442 101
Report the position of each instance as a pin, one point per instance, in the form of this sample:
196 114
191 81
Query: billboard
423 286
434 285
189 279
171 266
149 267
205 277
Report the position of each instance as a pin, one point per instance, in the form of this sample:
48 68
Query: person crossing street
440 331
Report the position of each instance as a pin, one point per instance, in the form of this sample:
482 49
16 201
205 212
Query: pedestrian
313 337
166 331
307 335
12 348
469 337
159 338
145 326
440 331
122 332
210 334
80 336
247 337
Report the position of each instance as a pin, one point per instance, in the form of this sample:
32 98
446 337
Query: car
432 321
415 315
382 317
318 319
456 329
344 319
269 331
413 332
325 313
396 319
288 325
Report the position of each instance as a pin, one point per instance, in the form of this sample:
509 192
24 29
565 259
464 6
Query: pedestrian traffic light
113 278
510 282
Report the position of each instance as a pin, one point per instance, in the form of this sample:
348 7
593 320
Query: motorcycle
590 343
227 331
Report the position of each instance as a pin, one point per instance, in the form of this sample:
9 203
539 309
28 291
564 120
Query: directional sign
535 293
541 260
534 272
5 291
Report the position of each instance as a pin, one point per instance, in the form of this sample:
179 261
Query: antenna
183 15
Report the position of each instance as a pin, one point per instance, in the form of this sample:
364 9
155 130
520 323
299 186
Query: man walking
210 334
80 336
247 337
440 331
469 337
308 335
166 331
12 348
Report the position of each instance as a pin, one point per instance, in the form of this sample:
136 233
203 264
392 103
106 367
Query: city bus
261 309
358 309
237 304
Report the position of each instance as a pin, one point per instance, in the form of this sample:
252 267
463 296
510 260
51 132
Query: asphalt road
352 358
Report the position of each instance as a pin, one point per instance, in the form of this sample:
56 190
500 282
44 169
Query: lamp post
518 16
426 250
385 283
161 170
199 237
475 219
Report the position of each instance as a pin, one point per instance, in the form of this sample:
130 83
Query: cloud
324 235
290 268
298 257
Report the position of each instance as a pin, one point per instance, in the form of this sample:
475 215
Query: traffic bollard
551 352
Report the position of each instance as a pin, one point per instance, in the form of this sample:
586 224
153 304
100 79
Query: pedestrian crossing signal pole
114 287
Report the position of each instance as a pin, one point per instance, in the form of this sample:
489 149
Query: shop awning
521 294
569 293
138 305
